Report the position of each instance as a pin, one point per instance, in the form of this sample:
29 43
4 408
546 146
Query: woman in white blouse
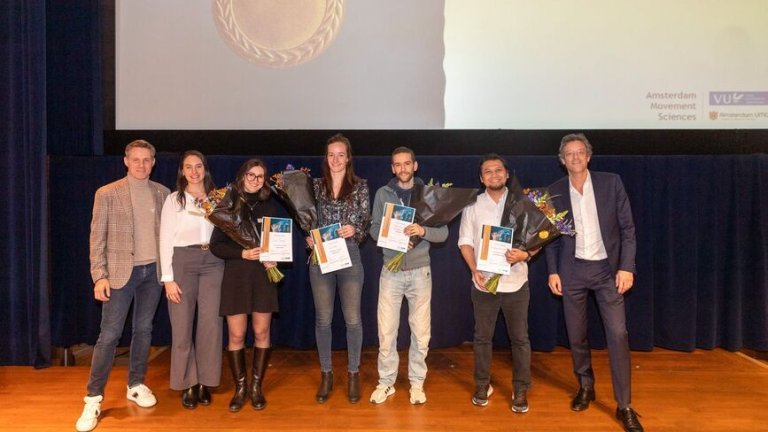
192 277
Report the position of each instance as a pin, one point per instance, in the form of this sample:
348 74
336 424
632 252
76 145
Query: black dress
245 287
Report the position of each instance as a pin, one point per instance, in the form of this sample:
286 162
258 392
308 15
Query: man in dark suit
601 259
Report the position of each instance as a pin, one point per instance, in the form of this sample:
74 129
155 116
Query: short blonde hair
140 143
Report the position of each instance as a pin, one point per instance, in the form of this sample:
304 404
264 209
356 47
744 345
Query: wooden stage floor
673 391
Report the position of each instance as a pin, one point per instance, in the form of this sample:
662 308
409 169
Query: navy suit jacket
616 225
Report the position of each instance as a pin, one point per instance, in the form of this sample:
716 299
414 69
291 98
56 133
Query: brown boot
260 360
326 385
353 386
237 365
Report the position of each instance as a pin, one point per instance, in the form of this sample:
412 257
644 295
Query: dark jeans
144 291
514 306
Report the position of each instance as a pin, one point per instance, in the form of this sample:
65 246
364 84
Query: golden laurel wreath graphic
240 37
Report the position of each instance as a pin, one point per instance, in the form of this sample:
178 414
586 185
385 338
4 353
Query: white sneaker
90 416
142 395
418 396
381 393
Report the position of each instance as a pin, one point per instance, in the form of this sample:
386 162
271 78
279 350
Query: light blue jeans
144 291
416 286
349 283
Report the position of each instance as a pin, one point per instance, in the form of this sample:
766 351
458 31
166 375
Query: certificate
393 223
330 248
494 244
276 239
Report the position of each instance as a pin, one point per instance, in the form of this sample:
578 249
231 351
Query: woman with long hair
191 275
246 290
342 197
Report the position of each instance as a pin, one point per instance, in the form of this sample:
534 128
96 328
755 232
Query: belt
204 247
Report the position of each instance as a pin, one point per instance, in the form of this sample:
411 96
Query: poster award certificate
393 223
276 239
494 244
330 249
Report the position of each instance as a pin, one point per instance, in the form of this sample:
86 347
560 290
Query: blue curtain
702 228
23 281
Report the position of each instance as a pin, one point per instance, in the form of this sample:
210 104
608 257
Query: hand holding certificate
276 239
392 232
330 248
494 243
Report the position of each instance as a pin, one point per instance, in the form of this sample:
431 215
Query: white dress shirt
485 211
589 240
178 228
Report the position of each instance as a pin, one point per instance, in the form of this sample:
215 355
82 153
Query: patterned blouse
353 210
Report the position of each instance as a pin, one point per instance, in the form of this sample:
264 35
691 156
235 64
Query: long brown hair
181 181
349 174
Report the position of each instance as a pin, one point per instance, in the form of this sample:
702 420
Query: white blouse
178 228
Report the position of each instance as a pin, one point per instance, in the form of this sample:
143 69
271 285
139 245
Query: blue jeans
349 282
416 286
514 306
144 290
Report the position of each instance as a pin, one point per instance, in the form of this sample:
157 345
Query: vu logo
727 98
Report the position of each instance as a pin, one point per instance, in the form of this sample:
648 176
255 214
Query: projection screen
433 64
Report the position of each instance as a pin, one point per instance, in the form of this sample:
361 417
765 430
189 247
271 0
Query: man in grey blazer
124 257
601 259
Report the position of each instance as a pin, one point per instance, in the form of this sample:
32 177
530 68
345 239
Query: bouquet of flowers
435 205
534 219
294 188
218 208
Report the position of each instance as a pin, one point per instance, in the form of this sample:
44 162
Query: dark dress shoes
628 418
189 398
203 395
582 399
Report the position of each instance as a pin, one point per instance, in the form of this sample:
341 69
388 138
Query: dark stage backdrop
702 228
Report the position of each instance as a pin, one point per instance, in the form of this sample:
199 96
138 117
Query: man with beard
413 281
512 294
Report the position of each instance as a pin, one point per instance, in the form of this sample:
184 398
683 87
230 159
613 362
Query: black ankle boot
353 386
260 359
203 395
326 385
189 398
237 365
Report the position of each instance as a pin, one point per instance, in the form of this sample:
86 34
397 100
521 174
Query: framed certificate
276 239
393 223
330 248
494 243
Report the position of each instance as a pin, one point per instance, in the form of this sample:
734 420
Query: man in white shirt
512 294
599 259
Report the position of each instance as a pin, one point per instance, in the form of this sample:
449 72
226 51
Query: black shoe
189 398
583 397
353 387
628 418
203 395
520 402
326 385
482 393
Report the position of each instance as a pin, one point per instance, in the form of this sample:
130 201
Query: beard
496 188
405 177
